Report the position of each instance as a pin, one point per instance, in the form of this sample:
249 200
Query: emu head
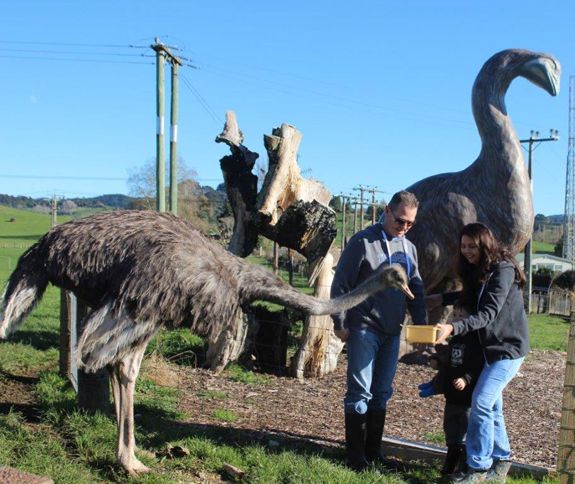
394 276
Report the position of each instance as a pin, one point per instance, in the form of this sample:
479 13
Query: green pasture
543 247
57 440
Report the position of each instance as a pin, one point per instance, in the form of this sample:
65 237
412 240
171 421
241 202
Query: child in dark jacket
459 366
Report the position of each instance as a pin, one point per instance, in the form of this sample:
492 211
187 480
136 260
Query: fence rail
560 302
14 245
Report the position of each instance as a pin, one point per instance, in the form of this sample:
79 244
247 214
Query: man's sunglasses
401 221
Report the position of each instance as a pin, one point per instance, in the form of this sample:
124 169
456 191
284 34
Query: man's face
399 220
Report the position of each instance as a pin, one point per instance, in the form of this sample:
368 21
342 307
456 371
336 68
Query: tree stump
241 187
291 211
319 348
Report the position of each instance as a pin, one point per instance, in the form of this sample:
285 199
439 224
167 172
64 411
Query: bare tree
192 201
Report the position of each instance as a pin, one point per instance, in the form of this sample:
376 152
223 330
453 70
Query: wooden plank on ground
407 450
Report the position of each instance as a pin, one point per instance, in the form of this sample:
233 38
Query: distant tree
540 222
565 280
192 203
542 277
336 204
558 249
67 207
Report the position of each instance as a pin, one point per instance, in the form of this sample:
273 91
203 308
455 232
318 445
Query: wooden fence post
566 454
93 389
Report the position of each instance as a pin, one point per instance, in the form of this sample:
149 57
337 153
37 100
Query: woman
492 282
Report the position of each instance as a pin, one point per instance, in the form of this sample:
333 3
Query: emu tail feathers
25 288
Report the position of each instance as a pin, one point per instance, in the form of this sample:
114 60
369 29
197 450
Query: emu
140 271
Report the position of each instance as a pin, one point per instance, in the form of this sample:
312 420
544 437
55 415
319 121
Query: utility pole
372 205
361 189
160 108
373 191
343 202
54 211
569 217
354 214
533 142
163 52
175 63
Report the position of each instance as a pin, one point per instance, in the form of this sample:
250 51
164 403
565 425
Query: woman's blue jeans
486 435
371 365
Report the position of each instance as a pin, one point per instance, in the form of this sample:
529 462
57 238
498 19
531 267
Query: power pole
354 214
569 216
160 161
373 191
533 142
175 63
54 211
343 202
372 205
361 189
163 52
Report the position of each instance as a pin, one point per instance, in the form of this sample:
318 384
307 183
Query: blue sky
380 90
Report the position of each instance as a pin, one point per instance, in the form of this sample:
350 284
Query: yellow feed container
415 333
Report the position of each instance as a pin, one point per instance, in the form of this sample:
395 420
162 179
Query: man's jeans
486 435
371 364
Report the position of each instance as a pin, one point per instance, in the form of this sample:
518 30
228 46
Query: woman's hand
433 300
444 331
459 384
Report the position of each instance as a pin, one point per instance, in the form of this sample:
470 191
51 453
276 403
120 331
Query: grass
213 394
548 332
543 247
436 437
71 446
238 373
224 415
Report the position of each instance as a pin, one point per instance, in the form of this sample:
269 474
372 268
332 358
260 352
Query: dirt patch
313 409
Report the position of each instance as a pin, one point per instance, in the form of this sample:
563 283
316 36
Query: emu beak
405 290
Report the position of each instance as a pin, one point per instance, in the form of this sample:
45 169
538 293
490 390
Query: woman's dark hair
491 252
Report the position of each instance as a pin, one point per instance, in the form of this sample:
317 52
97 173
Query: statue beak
405 290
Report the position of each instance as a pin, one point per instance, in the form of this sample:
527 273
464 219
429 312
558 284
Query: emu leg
115 383
127 371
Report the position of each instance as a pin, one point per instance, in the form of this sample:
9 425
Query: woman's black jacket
500 319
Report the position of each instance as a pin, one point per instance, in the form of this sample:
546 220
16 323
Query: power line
72 44
94 61
218 121
64 52
64 177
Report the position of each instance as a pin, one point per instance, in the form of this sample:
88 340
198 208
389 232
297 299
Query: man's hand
342 334
444 331
459 384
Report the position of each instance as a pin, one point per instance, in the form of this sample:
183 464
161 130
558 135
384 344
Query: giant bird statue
141 271
495 189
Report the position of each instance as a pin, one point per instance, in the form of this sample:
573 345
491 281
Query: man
372 329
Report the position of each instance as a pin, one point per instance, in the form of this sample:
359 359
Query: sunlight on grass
238 373
435 437
213 394
224 415
548 332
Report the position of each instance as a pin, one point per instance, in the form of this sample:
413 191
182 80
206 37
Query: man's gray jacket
383 312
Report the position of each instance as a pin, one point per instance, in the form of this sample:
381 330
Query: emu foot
133 466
